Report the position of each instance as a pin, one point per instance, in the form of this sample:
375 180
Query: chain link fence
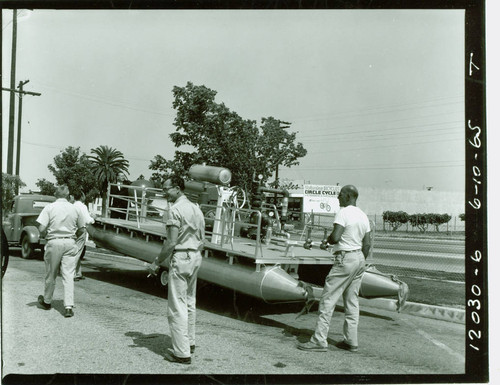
437 253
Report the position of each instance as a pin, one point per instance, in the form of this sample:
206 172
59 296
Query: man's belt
346 251
51 239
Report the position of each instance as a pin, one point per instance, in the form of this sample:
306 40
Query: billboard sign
321 199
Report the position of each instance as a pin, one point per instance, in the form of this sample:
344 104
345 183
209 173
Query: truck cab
20 226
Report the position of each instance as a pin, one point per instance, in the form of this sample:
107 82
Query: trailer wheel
163 278
27 249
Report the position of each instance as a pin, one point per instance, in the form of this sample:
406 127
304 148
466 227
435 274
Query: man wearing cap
351 237
185 225
61 223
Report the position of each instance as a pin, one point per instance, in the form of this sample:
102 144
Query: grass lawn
432 287
440 293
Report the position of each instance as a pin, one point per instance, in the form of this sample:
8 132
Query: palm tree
107 164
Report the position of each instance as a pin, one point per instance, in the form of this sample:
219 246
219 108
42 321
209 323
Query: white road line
110 255
436 342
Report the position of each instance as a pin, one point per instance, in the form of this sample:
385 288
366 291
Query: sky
375 96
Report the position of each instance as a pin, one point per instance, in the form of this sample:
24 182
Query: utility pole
19 120
279 154
10 148
21 93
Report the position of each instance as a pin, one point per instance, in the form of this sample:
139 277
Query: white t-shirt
84 212
356 225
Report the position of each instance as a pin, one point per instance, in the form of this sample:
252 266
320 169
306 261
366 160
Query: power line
375 123
337 133
62 148
380 147
104 101
378 109
384 138
378 168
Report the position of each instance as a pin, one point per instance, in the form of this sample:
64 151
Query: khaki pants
343 279
80 244
60 255
181 312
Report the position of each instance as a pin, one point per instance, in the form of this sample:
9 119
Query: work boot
41 301
178 360
311 347
345 346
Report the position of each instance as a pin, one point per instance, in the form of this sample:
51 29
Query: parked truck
19 223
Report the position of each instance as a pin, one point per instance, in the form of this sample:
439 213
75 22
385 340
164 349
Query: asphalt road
424 254
120 326
446 255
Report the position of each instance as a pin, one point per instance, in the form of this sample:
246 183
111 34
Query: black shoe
68 312
344 345
79 278
178 360
191 348
44 305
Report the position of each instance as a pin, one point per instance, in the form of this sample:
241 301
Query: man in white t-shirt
351 240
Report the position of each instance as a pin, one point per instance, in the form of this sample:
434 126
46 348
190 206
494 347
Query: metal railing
225 224
135 204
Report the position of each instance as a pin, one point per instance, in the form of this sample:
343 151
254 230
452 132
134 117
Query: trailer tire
27 248
163 278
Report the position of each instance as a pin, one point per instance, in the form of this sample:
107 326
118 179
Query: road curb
419 309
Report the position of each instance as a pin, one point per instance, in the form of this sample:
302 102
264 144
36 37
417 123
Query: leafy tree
462 217
421 221
221 137
46 187
10 185
395 218
276 146
439 219
73 168
107 164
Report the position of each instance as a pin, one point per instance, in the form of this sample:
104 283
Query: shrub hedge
422 221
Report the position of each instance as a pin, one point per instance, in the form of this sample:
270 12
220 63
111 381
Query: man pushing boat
352 242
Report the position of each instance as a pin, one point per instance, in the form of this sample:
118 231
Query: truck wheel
27 249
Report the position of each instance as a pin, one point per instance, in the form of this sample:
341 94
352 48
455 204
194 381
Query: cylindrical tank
142 183
272 283
212 174
192 186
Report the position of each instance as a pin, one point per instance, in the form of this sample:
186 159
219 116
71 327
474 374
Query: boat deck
278 251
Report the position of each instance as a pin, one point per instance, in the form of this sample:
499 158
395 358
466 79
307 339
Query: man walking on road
80 241
185 226
351 237
62 223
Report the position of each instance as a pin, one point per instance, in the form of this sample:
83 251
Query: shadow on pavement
156 343
57 305
210 297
